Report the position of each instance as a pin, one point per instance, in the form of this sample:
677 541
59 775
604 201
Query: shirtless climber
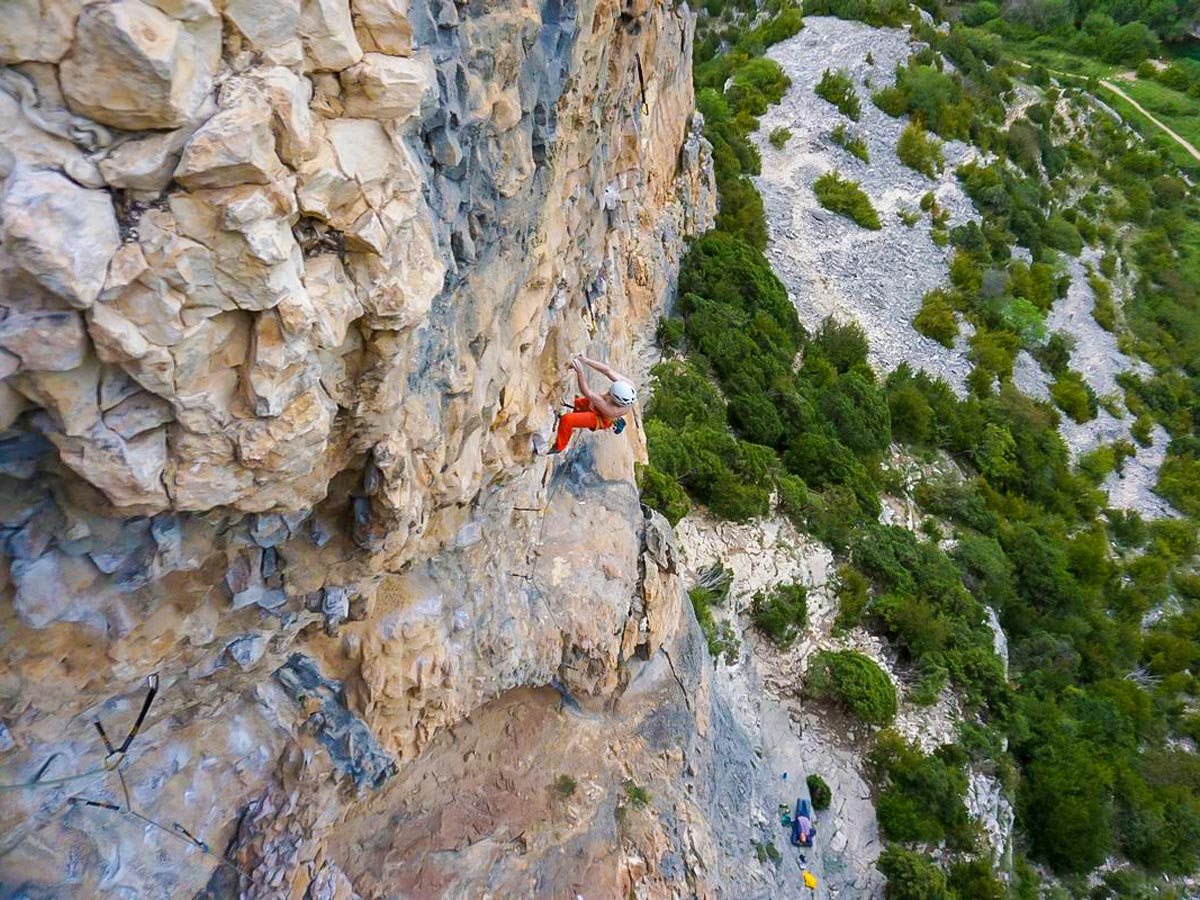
592 410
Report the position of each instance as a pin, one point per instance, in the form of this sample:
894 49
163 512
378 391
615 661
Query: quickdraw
642 82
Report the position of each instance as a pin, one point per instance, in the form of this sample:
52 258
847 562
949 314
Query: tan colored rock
408 277
248 228
61 234
514 165
186 10
290 95
279 369
181 263
137 414
506 110
386 87
71 398
156 313
129 472
333 300
144 164
12 404
382 26
205 473
207 362
270 27
236 146
36 30
367 234
327 193
134 68
44 340
126 267
120 342
328 35
363 149
293 442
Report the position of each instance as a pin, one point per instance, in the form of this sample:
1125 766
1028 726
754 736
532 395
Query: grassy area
1178 110
1174 109
1151 132
1036 53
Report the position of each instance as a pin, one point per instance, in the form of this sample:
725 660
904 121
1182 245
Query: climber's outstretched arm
607 371
577 365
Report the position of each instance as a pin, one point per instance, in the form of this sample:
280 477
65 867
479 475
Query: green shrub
663 493
919 151
855 681
879 13
845 198
1104 310
669 333
793 498
637 795
975 879
720 637
564 786
779 137
819 791
850 588
838 88
921 797
936 318
855 144
1062 235
1074 397
781 613
1179 482
911 876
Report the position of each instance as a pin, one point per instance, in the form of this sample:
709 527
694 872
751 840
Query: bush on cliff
856 682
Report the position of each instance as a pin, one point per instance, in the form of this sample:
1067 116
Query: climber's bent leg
583 404
569 423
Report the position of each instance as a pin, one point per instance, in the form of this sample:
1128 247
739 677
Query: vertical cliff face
287 288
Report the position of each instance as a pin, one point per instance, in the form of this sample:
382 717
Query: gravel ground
830 265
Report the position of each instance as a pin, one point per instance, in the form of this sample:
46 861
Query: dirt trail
1179 140
1131 76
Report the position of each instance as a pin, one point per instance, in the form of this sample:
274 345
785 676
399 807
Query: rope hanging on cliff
642 82
109 762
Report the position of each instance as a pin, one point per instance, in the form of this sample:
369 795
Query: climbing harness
642 82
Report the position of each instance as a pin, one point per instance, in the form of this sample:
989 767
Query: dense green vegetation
846 198
757 408
855 681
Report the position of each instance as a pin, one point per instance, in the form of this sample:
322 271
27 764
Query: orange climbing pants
583 417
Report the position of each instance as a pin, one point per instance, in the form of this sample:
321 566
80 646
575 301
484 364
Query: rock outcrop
287 288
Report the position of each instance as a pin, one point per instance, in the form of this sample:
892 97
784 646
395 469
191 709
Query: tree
911 876
859 411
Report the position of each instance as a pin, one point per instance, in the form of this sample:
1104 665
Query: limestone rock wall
286 289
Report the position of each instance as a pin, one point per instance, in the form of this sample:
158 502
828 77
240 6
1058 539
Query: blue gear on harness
618 426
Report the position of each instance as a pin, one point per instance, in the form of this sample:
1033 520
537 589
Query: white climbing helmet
623 392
